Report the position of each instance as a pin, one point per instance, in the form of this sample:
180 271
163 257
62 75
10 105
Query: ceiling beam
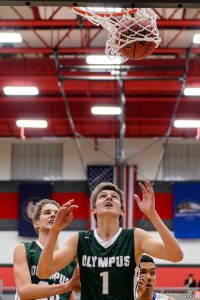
50 50
88 120
93 120
65 24
120 3
94 99
73 50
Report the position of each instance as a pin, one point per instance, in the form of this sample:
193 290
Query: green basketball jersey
107 273
33 251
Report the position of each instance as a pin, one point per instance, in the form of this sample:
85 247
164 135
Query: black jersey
107 273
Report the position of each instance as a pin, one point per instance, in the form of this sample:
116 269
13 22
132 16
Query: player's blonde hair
106 186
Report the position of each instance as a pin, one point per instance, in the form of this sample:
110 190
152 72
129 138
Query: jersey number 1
105 288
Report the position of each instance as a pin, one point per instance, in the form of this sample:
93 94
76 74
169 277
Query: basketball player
147 281
26 256
108 256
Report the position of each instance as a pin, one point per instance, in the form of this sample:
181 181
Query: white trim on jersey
106 244
38 243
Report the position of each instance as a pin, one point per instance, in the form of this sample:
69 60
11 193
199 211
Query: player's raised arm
51 262
28 290
168 248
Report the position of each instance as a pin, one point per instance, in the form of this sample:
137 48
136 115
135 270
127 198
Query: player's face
108 201
149 270
47 217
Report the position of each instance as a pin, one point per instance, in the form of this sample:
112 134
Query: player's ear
93 211
122 212
36 225
121 215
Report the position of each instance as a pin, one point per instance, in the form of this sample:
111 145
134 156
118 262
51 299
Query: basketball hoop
124 26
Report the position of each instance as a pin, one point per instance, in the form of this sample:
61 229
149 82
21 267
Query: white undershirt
106 244
39 244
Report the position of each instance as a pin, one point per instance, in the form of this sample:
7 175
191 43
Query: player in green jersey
109 256
26 257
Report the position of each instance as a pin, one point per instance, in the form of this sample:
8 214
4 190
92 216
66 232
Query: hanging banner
29 194
186 210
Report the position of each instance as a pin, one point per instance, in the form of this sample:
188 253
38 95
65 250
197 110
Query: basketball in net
136 40
132 33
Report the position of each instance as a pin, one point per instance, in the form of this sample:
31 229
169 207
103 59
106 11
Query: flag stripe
125 196
130 197
98 174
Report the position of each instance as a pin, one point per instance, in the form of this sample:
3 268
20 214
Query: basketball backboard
115 3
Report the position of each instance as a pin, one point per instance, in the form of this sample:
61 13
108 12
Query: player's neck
42 238
106 230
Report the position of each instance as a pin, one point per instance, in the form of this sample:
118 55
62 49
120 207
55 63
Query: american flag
106 173
98 174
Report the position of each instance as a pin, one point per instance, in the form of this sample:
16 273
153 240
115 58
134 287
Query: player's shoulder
140 231
22 245
20 251
127 232
72 239
19 248
86 234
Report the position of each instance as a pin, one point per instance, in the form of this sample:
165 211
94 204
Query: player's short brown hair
106 186
39 205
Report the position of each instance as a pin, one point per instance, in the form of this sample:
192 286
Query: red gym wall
78 190
166 276
175 276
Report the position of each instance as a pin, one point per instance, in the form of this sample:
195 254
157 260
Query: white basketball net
124 29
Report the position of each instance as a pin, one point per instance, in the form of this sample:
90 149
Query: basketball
137 50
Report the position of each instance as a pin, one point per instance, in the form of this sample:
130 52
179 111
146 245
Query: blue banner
29 194
186 210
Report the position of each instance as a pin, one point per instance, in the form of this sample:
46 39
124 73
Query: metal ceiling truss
86 51
149 88
188 24
106 3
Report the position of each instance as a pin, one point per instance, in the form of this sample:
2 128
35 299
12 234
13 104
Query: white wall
144 153
8 241
147 161
5 160
191 250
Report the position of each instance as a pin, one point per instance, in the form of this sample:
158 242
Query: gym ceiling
52 56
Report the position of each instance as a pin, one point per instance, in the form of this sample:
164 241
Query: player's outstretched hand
147 203
64 215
